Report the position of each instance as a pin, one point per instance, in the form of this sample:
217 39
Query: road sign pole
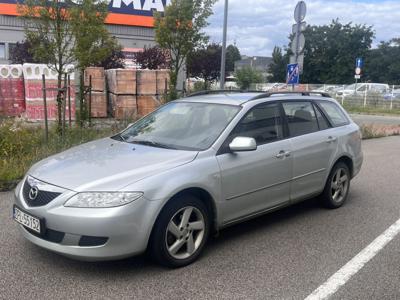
355 88
223 56
298 41
298 17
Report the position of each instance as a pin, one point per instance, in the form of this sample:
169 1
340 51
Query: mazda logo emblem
33 193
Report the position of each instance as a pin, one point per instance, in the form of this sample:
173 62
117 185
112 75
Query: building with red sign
130 21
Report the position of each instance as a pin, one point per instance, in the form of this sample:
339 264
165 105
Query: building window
2 50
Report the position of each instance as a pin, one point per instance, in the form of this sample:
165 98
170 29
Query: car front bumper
114 232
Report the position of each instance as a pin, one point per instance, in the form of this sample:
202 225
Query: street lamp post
223 56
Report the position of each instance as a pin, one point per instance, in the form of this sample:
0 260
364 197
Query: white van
361 88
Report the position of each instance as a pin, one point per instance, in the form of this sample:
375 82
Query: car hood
107 165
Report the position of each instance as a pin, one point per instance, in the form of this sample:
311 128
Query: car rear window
334 113
301 118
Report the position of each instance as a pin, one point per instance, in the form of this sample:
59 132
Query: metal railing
367 95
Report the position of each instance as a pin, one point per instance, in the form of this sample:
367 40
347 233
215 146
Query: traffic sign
295 27
358 71
298 44
300 11
293 74
359 63
357 76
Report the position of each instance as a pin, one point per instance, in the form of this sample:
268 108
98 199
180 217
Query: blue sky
258 25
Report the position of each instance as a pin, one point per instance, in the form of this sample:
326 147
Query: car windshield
352 86
181 125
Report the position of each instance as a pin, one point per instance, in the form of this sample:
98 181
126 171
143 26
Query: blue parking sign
293 74
359 63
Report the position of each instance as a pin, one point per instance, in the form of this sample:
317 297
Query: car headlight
102 199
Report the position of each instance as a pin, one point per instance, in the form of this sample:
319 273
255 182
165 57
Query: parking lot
284 255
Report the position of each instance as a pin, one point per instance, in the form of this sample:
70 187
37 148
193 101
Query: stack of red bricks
151 89
136 92
98 105
122 93
12 98
34 91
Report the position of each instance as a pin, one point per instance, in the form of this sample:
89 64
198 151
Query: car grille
57 237
42 198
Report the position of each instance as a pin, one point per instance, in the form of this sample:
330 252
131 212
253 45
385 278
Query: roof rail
269 94
212 92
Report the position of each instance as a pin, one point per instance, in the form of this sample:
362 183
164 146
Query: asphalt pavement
284 255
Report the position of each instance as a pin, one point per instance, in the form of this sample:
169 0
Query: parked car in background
326 88
360 89
190 168
393 95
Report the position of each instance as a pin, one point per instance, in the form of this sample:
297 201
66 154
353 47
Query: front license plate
27 220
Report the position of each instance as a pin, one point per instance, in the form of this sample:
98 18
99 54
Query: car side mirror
242 143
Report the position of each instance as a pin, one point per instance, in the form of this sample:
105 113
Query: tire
180 245
337 186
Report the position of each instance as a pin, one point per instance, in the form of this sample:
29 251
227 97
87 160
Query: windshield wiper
119 137
151 143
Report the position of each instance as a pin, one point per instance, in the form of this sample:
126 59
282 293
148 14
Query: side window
362 88
334 113
301 118
263 123
322 121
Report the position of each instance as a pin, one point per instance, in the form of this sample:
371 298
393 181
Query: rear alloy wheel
180 232
337 186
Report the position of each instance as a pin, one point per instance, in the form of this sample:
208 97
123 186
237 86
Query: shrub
247 76
22 145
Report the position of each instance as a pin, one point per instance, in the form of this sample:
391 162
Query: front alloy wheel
180 232
185 232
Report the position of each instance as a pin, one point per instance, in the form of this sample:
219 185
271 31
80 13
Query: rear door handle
331 139
283 154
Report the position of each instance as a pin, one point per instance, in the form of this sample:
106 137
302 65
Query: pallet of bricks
151 89
98 100
12 97
122 93
34 96
136 92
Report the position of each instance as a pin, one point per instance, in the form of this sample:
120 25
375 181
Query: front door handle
283 154
331 139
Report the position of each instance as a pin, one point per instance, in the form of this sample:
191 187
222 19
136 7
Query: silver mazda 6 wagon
183 172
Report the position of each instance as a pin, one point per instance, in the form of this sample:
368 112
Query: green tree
93 43
331 50
205 62
49 32
247 76
381 64
179 30
232 56
277 68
